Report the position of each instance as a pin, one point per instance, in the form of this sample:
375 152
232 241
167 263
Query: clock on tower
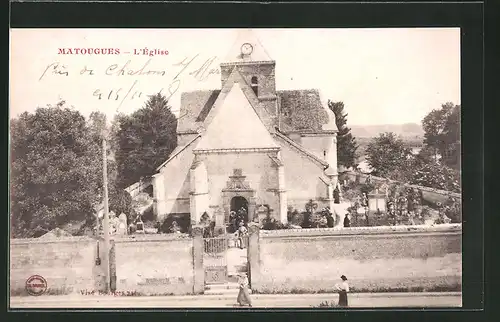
246 49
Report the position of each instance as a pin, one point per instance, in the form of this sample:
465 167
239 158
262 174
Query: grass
50 291
327 304
412 289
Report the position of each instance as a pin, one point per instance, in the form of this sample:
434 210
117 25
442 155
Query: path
366 300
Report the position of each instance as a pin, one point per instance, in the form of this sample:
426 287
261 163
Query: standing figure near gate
242 232
243 295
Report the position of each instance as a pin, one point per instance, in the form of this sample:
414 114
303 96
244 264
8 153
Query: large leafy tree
434 175
442 133
346 143
144 140
387 154
55 170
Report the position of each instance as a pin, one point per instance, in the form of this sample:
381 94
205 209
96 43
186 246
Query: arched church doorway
238 205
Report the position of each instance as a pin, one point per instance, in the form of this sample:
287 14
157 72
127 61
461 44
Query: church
248 145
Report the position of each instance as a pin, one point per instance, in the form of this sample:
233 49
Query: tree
442 133
387 154
56 170
144 140
346 143
434 175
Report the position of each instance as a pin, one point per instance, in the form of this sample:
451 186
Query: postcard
235 168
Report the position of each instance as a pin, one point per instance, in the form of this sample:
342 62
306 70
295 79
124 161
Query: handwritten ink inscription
199 69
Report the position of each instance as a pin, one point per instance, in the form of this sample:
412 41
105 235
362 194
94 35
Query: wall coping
151 238
119 239
341 231
72 239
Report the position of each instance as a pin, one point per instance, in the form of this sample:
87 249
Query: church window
255 85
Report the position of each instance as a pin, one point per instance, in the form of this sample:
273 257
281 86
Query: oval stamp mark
36 285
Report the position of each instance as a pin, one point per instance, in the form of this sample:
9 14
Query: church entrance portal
239 202
236 195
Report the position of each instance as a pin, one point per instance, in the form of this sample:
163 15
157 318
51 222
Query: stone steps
229 288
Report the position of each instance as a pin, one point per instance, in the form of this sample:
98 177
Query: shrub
270 223
327 304
183 220
295 217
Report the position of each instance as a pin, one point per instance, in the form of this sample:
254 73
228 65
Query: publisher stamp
36 285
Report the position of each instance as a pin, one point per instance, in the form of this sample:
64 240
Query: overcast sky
383 76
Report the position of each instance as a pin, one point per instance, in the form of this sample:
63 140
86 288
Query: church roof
176 151
194 108
301 110
235 124
300 148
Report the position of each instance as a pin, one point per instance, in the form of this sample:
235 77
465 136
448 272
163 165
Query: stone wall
161 264
148 264
373 259
68 264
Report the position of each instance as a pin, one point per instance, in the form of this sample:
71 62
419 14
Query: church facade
248 145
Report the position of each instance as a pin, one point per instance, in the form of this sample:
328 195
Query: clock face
246 49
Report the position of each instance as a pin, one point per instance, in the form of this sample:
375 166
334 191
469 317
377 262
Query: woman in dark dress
347 221
343 289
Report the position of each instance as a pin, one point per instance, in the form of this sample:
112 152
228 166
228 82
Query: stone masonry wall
155 264
373 259
148 264
66 263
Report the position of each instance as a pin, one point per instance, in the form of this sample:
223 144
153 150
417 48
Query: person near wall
347 221
233 222
175 228
343 288
243 298
242 232
330 221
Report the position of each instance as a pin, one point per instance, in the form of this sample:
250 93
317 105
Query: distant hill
406 130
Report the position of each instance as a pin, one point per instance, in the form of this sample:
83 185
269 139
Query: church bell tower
254 64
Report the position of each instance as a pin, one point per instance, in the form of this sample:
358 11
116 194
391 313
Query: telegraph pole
105 223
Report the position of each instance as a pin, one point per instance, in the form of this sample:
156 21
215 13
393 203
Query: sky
383 76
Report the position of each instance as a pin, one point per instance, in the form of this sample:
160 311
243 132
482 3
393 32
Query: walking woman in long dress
244 296
343 289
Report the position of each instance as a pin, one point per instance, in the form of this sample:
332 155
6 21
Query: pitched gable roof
194 108
236 78
176 152
300 149
234 124
302 110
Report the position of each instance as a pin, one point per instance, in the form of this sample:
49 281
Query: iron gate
215 256
215 259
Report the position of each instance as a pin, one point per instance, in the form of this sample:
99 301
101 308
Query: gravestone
122 224
376 200
262 213
140 226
